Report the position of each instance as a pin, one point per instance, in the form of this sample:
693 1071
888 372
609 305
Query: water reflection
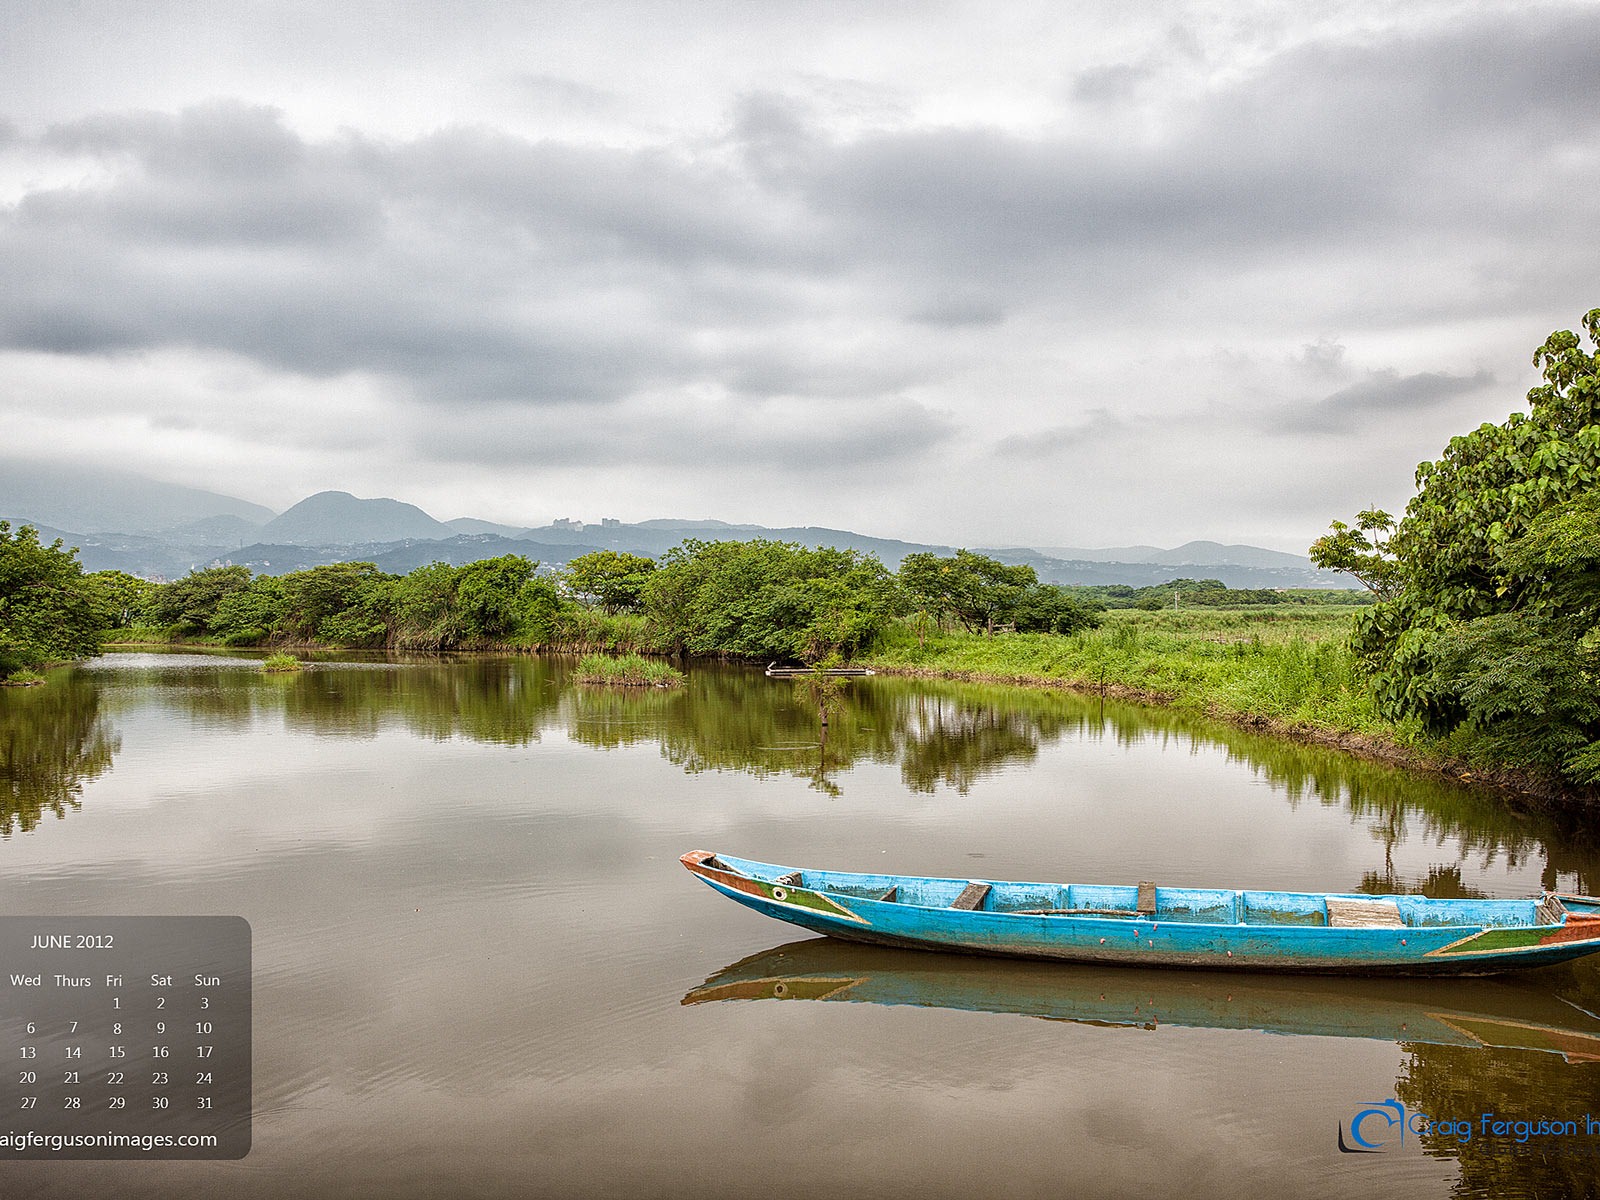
1524 1048
1471 1013
942 736
431 855
1461 1084
53 740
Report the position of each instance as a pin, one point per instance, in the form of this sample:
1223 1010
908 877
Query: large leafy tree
614 579
770 599
982 592
123 596
189 605
497 599
1489 610
251 614
48 610
343 603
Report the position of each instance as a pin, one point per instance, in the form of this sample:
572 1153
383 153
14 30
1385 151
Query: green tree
499 599
1362 551
250 615
767 599
922 577
347 604
979 591
424 608
1490 616
613 579
188 605
48 610
123 596
1043 608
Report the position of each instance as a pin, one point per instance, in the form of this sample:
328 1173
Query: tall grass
1291 667
630 670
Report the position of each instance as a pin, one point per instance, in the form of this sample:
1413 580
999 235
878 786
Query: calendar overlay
124 1037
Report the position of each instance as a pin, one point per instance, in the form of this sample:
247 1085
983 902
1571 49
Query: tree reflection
53 740
1462 1083
941 735
508 701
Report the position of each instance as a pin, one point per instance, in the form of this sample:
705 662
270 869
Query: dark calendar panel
124 1037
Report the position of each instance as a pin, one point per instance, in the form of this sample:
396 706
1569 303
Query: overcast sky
1055 274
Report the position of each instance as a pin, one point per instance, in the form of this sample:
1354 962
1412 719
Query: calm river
480 971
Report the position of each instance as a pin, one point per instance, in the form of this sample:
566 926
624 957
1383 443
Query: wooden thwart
1363 914
1147 899
971 896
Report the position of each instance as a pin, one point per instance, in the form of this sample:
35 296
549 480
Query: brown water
479 969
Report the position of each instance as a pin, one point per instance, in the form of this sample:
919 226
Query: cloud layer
1228 280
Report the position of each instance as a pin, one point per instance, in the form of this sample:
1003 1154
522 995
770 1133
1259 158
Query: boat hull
1147 940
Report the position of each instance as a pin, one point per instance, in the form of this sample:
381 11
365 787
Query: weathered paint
1280 931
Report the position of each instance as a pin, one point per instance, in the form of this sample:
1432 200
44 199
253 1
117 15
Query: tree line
757 599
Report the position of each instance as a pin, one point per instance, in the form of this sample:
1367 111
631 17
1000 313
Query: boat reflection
1481 1013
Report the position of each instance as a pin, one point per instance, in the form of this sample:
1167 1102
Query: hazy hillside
105 501
123 521
340 519
1188 554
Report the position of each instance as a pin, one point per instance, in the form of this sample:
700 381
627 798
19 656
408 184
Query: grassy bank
1284 670
1280 665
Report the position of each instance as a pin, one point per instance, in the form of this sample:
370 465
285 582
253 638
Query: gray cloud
1096 426
1383 395
871 266
561 92
453 249
1110 84
792 440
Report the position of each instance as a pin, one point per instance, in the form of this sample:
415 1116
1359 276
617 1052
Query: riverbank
1286 673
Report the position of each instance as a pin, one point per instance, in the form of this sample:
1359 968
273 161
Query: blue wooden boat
1149 926
1477 1013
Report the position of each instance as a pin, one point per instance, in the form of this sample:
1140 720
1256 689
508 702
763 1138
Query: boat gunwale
1086 916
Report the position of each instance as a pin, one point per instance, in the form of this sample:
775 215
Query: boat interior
1209 906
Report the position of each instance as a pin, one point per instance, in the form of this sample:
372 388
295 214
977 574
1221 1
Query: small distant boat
1149 926
774 671
1477 1013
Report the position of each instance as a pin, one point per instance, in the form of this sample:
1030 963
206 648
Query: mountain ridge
333 526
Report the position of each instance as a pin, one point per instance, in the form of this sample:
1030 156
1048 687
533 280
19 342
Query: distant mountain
221 530
676 523
1083 572
1188 554
473 525
130 523
1191 553
657 537
467 548
108 501
340 519
1127 554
